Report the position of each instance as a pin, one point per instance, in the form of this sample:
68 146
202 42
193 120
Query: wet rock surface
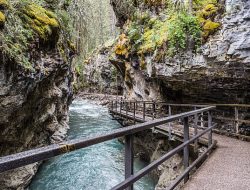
150 147
33 111
219 73
99 75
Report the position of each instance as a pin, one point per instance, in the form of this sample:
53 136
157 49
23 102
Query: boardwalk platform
228 167
177 132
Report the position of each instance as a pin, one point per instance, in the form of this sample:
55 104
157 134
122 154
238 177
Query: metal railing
233 119
44 153
142 111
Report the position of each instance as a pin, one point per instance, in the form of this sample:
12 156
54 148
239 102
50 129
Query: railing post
144 111
196 132
169 124
210 132
236 119
120 107
126 108
129 158
186 149
202 120
134 112
116 105
153 110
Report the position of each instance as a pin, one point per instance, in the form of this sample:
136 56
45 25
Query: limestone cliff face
35 91
34 113
218 72
152 146
99 75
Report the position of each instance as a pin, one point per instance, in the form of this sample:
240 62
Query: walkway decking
228 168
176 129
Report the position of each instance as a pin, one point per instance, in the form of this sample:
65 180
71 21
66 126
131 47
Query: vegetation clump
155 2
172 31
2 18
29 25
182 28
206 14
4 4
121 47
42 21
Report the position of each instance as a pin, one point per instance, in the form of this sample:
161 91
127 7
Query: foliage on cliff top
4 4
28 23
206 13
2 18
42 21
173 30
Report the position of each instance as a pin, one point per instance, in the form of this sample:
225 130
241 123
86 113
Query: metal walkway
44 153
228 168
172 130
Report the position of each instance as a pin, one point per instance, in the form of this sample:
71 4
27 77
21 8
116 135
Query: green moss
39 13
42 21
154 36
4 3
2 18
173 30
209 28
182 27
171 33
26 21
206 12
202 3
209 25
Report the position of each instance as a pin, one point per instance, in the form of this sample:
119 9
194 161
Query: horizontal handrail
236 120
162 103
187 170
40 154
191 104
133 178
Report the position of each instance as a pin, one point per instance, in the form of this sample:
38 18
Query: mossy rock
42 21
209 10
122 47
4 4
2 18
210 27
206 16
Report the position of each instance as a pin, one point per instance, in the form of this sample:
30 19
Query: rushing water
98 167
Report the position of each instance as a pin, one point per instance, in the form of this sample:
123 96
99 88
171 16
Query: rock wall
220 73
150 147
34 113
35 93
98 75
217 73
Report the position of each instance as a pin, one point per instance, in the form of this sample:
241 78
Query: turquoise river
99 167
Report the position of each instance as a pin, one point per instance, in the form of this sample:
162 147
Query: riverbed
99 167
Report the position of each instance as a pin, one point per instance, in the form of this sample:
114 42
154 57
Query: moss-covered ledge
28 26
